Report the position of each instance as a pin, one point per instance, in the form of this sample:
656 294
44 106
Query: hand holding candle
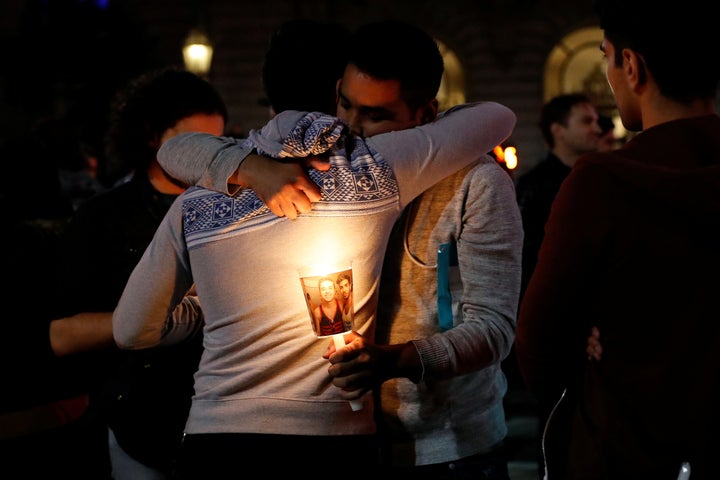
339 341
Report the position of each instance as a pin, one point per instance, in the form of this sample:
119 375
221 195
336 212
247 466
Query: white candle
339 342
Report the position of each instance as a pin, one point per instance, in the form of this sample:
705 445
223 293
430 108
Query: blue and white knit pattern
315 134
358 182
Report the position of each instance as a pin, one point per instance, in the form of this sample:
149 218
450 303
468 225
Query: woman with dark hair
143 396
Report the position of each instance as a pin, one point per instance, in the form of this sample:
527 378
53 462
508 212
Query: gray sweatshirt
456 410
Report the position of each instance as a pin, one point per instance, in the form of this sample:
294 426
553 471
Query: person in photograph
345 287
329 314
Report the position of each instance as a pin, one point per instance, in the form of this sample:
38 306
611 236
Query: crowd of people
176 342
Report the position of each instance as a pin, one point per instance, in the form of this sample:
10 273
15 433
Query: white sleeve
144 315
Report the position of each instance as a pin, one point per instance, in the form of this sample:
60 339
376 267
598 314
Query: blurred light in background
506 156
198 52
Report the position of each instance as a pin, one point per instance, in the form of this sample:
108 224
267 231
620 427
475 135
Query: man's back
642 266
631 248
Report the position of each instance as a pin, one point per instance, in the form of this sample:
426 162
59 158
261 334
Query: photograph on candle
328 294
329 299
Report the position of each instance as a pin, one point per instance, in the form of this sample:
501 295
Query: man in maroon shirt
631 247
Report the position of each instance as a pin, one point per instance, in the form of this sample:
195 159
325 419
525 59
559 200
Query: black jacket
535 191
145 394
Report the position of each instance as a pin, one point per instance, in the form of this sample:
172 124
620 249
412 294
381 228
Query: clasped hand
355 368
284 186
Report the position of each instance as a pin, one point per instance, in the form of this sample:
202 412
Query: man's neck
658 109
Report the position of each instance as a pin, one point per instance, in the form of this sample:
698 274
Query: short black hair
557 110
396 50
303 62
673 40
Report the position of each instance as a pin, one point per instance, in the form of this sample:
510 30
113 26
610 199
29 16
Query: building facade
516 52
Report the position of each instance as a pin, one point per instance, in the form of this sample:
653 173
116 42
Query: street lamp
197 52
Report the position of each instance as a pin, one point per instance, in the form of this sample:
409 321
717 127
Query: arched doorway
452 85
576 64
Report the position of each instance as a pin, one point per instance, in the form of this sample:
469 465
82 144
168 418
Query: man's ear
429 112
555 129
634 68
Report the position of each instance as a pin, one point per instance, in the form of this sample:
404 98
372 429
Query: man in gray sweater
448 299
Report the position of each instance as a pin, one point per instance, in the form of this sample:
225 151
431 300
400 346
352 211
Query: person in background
631 248
279 361
143 396
569 126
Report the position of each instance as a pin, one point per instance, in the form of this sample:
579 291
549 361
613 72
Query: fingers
285 188
275 207
293 200
330 350
594 347
310 190
351 368
357 382
350 364
318 164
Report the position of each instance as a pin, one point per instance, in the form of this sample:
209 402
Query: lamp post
197 52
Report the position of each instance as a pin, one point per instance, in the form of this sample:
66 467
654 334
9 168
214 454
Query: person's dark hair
294 80
149 105
395 50
673 40
343 276
557 110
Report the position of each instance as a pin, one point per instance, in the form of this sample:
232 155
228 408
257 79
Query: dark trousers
235 456
488 466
